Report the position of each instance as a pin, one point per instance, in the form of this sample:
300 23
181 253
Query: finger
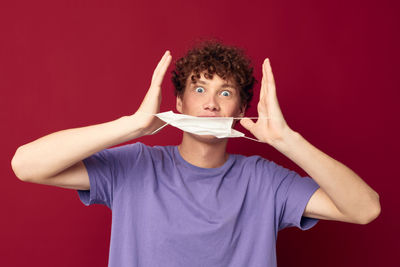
159 66
163 69
271 92
248 124
263 83
269 77
153 95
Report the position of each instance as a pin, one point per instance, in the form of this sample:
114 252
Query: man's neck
203 153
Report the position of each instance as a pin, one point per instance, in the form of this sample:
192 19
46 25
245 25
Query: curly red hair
213 57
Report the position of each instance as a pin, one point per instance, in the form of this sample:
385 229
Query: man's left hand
270 127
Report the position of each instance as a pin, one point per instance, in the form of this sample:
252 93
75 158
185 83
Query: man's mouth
208 115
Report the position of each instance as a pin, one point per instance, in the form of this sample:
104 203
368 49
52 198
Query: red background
68 64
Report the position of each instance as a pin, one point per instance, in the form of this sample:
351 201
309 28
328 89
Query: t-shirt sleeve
107 171
292 193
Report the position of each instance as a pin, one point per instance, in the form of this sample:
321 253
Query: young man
194 204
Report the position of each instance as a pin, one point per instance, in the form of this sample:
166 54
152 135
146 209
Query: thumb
248 124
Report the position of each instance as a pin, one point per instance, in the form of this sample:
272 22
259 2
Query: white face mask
220 127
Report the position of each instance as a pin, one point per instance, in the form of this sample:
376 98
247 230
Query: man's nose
211 104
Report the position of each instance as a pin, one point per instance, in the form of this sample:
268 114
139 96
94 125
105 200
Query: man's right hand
151 102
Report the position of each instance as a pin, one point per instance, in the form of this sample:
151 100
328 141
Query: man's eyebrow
200 82
222 86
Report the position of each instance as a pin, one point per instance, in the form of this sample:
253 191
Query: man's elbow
373 212
15 166
18 168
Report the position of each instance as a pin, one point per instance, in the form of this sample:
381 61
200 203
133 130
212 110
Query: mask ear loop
252 139
159 128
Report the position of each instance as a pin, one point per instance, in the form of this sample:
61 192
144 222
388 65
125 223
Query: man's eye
226 93
199 89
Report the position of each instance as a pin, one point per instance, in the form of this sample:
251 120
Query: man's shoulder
135 151
251 161
250 158
141 146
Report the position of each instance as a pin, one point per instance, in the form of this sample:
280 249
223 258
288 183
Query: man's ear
179 104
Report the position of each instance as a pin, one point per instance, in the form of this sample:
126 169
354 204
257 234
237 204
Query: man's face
210 98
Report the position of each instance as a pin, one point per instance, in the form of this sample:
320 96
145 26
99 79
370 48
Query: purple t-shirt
168 212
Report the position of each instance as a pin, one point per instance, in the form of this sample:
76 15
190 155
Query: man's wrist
287 141
133 128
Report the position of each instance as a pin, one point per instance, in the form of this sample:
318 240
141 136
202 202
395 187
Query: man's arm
343 195
55 159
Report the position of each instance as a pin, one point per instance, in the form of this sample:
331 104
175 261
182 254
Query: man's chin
206 138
